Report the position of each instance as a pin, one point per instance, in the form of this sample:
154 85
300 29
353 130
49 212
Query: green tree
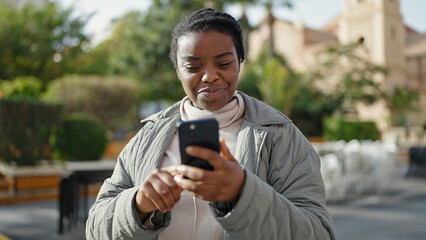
270 19
23 88
112 99
346 74
277 87
271 80
141 48
310 106
94 61
39 42
400 101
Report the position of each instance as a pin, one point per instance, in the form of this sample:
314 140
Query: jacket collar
170 112
255 111
260 113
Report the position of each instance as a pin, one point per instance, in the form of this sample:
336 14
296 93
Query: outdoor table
417 166
79 175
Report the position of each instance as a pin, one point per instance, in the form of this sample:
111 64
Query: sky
313 13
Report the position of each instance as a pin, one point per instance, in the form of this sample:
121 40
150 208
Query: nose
210 75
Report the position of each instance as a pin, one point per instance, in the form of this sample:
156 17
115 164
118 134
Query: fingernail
181 169
177 178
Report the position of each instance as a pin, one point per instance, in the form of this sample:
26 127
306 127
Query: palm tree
270 19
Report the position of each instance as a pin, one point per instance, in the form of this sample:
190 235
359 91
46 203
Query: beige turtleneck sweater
191 217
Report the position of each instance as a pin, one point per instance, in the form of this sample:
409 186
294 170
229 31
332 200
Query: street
398 214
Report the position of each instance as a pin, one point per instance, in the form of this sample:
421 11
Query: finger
143 203
194 173
200 190
172 170
190 185
224 151
173 188
163 191
150 193
206 154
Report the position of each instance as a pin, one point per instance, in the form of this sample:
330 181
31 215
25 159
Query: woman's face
208 67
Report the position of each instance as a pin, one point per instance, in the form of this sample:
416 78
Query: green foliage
142 48
21 88
335 128
139 46
39 42
80 137
94 61
277 87
140 43
400 101
345 73
111 99
248 82
310 106
401 98
272 80
25 129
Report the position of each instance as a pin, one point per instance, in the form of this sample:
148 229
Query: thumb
224 151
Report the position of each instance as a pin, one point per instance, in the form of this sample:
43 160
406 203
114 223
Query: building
379 25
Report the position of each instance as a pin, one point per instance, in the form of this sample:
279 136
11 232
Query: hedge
25 129
338 129
80 137
113 100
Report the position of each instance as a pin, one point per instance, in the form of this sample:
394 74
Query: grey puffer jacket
283 195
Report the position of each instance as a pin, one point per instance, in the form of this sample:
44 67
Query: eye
225 64
191 68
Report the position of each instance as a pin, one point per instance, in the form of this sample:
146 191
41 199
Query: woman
266 182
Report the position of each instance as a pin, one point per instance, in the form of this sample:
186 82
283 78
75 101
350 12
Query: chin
212 106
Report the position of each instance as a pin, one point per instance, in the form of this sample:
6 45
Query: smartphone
204 133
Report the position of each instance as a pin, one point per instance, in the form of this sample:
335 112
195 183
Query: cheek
233 77
187 80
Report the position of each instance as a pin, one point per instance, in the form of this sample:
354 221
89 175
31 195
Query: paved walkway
397 215
35 221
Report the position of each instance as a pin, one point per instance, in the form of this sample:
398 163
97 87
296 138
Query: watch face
157 219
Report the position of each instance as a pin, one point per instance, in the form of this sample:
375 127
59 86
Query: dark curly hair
204 20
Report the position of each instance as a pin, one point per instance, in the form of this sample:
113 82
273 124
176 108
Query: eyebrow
190 58
193 58
223 54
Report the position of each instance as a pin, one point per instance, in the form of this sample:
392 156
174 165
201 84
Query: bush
21 88
25 129
80 137
338 129
309 109
113 100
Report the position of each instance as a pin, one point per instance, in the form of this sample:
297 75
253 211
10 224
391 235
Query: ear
177 73
239 66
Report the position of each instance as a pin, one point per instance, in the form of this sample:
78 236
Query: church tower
378 24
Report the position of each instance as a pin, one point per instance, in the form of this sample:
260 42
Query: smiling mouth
209 90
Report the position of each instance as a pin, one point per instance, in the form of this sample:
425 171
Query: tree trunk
270 20
245 28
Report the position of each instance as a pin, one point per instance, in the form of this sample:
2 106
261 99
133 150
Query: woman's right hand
158 192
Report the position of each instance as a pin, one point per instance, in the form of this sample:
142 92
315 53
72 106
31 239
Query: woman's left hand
223 184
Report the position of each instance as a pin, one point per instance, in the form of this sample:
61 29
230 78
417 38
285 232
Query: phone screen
204 133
